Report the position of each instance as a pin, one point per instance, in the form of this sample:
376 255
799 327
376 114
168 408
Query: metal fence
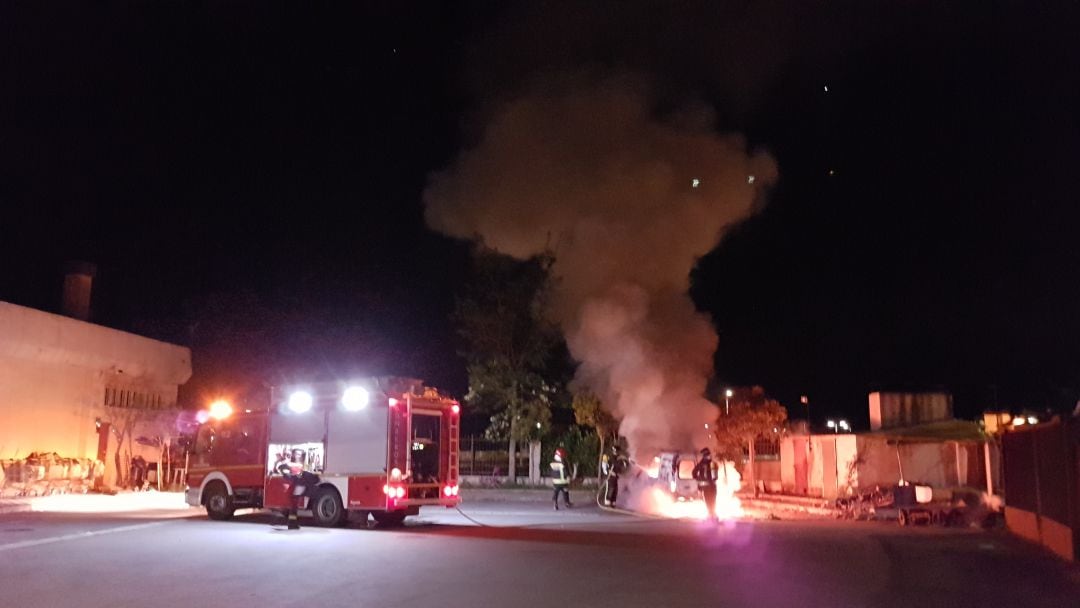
488 457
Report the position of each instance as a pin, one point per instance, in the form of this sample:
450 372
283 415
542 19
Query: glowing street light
837 425
728 393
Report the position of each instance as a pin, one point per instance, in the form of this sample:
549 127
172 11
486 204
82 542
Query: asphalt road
522 555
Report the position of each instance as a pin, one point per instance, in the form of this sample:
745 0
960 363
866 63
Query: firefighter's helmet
560 454
705 452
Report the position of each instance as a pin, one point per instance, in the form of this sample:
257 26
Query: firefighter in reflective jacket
560 478
300 482
705 475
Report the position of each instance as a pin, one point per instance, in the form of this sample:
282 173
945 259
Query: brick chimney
78 282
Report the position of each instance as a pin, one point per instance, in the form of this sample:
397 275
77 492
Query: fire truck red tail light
456 408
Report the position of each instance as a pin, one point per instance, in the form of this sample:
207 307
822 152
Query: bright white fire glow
658 501
124 502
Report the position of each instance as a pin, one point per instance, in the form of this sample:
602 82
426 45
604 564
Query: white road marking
76 536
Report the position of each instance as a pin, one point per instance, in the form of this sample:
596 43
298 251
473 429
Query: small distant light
826 88
749 179
455 408
832 172
1018 421
694 183
706 425
830 424
202 416
537 425
1033 420
729 393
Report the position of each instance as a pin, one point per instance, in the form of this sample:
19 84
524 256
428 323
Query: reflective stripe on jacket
559 475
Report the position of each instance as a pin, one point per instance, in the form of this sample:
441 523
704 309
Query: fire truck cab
381 446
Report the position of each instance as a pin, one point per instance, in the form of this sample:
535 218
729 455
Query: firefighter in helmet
705 475
560 478
301 483
611 466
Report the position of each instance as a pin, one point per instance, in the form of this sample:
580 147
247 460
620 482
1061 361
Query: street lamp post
837 425
806 401
727 401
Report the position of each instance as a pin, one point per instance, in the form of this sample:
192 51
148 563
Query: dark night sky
248 177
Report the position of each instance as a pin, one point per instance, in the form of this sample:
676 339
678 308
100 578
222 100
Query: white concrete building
57 375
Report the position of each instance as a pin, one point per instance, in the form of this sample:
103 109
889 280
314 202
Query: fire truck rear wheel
219 504
327 508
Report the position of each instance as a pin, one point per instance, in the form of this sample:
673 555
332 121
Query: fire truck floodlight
220 409
300 401
355 398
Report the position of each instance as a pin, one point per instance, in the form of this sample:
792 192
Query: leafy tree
589 411
752 415
509 343
582 448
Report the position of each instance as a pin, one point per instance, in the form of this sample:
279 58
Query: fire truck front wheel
219 505
327 508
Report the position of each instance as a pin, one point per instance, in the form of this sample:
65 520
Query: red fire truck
380 446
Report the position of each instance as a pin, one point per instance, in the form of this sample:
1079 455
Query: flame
728 506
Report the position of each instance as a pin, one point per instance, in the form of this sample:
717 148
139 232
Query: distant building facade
59 374
892 410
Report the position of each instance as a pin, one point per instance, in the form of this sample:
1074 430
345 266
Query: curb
16 507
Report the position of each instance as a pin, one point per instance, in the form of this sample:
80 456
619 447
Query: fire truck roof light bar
355 398
300 401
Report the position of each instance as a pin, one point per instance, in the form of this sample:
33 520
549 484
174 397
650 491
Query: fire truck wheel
219 504
389 518
327 508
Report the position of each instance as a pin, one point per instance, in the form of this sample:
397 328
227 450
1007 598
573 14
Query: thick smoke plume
628 202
